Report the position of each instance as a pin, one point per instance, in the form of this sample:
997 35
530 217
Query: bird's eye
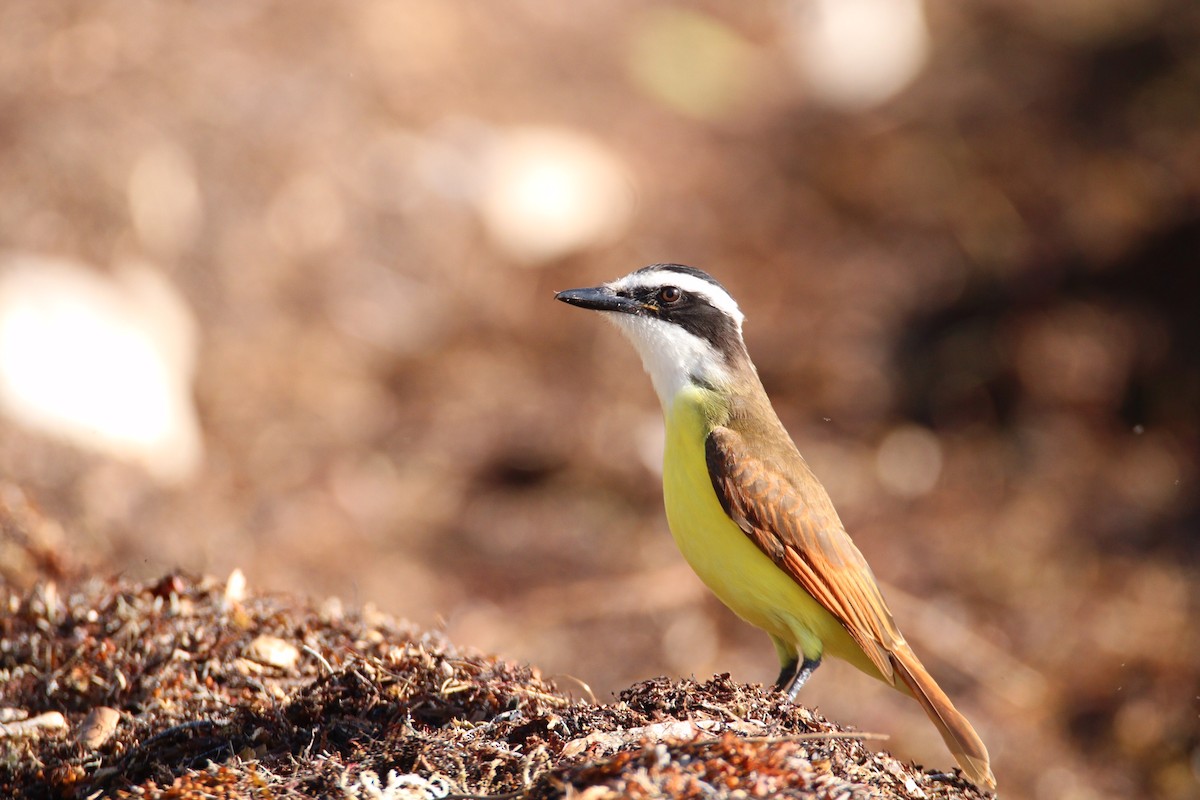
670 294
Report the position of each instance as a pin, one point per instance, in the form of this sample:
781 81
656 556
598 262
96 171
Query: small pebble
98 727
273 651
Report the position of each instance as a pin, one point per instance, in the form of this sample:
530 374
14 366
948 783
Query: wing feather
788 515
777 501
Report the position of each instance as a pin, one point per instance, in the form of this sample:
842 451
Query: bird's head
685 325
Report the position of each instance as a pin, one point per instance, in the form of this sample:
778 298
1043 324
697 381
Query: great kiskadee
745 509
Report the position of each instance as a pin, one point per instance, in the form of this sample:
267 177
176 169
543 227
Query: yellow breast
725 558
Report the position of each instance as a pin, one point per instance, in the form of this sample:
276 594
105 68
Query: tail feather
958 734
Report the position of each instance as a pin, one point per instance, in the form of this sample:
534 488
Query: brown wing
786 512
783 508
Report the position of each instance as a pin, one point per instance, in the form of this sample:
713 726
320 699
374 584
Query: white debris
398 787
50 721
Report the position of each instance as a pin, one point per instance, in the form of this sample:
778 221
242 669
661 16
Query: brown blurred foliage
991 279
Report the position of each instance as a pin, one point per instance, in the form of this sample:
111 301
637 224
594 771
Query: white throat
674 358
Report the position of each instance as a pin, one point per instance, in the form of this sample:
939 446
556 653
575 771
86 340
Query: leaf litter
187 688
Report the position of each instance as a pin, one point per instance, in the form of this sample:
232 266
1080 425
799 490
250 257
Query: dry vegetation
186 689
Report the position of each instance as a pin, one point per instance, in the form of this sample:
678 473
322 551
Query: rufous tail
958 734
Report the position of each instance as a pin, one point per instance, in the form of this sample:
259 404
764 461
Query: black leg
786 674
801 677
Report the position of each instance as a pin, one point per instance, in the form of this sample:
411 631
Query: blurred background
276 293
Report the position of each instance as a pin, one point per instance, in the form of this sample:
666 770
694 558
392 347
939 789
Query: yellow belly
726 559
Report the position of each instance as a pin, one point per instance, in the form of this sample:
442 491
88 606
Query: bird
746 511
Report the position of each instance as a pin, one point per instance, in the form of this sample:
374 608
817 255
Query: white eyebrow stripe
691 284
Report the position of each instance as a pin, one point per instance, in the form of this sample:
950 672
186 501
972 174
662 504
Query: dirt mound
191 688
